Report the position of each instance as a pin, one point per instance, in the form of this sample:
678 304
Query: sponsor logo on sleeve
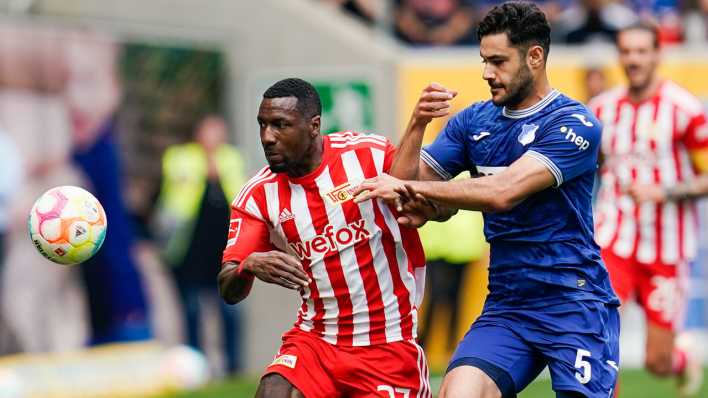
583 119
285 360
575 138
234 230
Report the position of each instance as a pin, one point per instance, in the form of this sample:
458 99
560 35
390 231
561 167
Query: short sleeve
696 141
568 146
389 156
447 154
247 234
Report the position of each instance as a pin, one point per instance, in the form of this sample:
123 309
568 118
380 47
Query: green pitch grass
634 383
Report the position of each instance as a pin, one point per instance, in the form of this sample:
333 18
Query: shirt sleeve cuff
557 175
430 161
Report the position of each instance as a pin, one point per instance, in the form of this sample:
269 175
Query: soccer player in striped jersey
359 273
655 150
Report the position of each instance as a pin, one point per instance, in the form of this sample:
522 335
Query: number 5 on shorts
392 391
581 363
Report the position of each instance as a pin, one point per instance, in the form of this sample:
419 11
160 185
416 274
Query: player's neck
539 91
640 94
311 161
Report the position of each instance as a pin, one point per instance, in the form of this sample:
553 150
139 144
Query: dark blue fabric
503 380
565 337
543 250
115 293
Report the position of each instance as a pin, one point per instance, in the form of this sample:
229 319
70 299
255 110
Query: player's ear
535 57
315 124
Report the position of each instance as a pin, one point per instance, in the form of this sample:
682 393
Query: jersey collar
522 113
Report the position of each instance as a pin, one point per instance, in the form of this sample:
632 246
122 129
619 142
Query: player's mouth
274 157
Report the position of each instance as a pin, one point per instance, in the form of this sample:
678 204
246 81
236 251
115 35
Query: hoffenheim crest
528 134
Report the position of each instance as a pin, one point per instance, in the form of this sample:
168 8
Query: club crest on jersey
285 360
340 194
528 134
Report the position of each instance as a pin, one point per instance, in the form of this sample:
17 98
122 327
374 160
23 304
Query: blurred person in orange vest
198 180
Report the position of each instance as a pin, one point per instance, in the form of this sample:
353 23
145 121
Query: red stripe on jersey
290 230
365 259
388 242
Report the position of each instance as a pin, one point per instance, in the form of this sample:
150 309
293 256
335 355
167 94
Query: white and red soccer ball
67 225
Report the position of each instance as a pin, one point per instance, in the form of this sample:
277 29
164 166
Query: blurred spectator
199 181
435 22
116 295
11 176
594 20
370 11
667 15
595 82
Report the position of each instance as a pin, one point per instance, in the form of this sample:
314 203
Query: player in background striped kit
655 165
359 273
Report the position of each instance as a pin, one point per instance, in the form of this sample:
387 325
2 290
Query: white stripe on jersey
305 228
391 310
401 256
350 266
628 226
646 248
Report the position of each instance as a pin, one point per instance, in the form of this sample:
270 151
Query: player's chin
277 167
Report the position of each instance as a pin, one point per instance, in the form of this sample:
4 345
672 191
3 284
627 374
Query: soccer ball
67 225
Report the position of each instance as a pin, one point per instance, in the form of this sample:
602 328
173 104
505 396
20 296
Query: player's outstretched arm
434 102
495 193
271 267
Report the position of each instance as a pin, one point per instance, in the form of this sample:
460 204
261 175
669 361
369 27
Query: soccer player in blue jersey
534 152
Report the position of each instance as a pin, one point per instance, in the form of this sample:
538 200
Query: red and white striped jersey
367 271
651 142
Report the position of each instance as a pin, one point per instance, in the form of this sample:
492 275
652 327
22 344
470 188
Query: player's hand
416 209
647 193
434 102
277 267
382 186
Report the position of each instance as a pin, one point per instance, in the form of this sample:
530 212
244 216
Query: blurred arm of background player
695 142
434 102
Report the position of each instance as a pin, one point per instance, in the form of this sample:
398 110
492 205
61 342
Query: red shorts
660 289
320 369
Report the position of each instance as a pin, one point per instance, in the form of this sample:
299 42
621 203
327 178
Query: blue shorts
578 341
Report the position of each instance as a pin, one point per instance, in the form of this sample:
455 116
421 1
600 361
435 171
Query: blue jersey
543 250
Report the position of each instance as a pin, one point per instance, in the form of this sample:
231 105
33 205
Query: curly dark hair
523 22
308 100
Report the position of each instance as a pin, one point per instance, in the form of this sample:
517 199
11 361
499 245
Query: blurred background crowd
151 106
452 22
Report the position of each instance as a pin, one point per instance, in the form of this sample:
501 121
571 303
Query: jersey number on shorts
581 363
393 390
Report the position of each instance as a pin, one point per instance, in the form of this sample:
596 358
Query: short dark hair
645 26
523 22
308 100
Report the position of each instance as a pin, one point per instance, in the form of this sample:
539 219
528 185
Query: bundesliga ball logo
67 225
